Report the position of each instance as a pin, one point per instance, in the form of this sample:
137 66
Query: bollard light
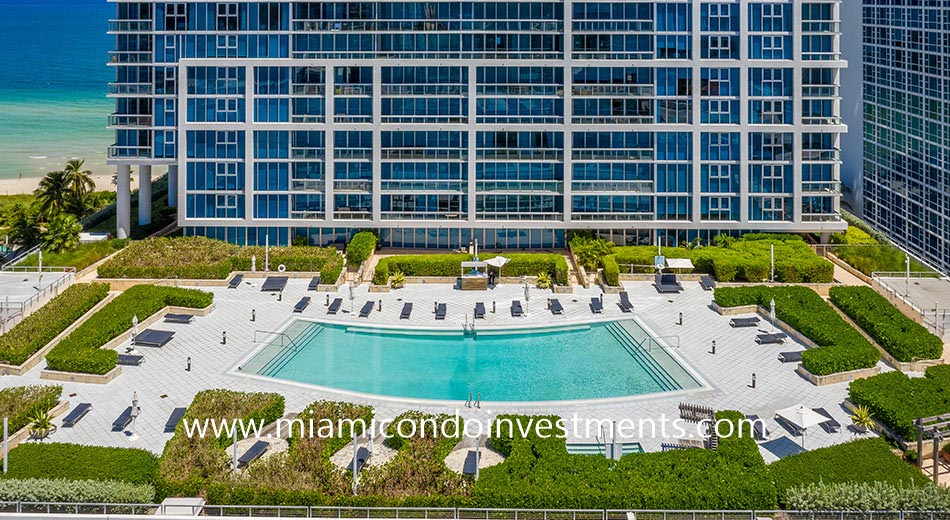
224 337
253 314
713 347
681 319
188 364
753 380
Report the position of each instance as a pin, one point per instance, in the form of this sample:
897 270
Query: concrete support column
145 195
123 203
173 186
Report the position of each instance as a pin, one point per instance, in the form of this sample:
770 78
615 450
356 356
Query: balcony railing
821 217
821 120
130 56
130 88
612 187
495 187
347 214
308 215
821 155
309 90
613 120
422 215
307 153
130 120
820 91
307 185
613 155
358 186
130 152
126 26
613 90
821 187
527 155
431 153
615 216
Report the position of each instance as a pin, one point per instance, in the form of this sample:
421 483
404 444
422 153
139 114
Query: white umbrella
772 312
802 418
135 326
498 262
527 292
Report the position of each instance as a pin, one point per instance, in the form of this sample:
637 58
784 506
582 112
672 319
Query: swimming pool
599 360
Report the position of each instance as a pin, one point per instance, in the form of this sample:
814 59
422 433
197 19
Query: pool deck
163 383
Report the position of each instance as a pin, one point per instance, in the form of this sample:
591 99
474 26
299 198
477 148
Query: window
227 109
719 111
772 17
773 208
227 46
228 17
176 17
720 208
773 112
773 82
226 206
719 17
226 176
718 47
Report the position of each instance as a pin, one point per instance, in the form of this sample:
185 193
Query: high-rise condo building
511 122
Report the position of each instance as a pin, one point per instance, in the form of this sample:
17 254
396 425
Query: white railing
12 313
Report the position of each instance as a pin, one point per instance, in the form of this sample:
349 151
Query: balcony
136 120
422 215
821 120
612 217
118 57
821 187
130 152
821 155
307 185
309 90
612 186
130 89
352 214
307 153
613 155
353 186
821 217
421 153
129 26
613 120
820 91
614 90
507 154
307 215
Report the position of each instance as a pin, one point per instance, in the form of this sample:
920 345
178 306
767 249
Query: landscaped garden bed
80 351
841 348
79 258
898 400
449 265
20 404
78 462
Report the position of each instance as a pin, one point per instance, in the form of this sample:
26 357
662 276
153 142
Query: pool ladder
477 403
469 327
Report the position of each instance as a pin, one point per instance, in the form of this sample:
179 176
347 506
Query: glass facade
907 125
512 122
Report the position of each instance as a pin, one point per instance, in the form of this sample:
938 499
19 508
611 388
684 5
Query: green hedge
21 403
904 338
519 264
80 352
898 400
39 328
77 462
865 460
360 248
611 270
205 258
81 257
62 490
841 346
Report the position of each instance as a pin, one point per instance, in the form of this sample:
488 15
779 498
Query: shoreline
27 185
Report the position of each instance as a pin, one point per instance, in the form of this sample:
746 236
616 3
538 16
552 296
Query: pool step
290 350
645 359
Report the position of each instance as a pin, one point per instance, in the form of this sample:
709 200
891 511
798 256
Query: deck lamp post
135 413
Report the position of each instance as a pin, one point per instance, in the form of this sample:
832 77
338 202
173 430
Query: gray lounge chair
274 284
362 455
624 302
314 283
153 338
707 283
174 419
179 318
440 311
790 357
129 360
123 420
302 304
667 283
236 281
406 311
832 426
76 415
770 339
744 322
479 310
253 453
759 431
556 307
367 309
471 463
596 306
335 306
516 310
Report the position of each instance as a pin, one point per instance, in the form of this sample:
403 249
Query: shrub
360 248
841 347
904 338
611 270
77 462
868 496
63 490
865 460
39 328
853 235
326 260
80 352
590 251
82 257
898 400
446 265
21 403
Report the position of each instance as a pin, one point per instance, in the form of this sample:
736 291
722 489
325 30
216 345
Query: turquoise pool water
581 362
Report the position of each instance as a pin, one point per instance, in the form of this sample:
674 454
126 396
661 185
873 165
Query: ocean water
53 83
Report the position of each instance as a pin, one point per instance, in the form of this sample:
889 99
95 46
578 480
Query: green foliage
41 424
841 346
520 264
855 236
52 195
590 251
61 233
39 328
780 237
398 280
868 496
80 352
544 280
898 400
904 338
360 248
865 460
870 259
21 403
205 258
611 270
24 225
78 462
81 257
62 490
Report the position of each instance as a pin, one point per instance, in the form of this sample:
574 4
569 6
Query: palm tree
52 194
80 184
62 233
24 228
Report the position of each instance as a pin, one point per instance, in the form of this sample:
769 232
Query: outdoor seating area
153 338
123 420
479 310
624 302
367 309
667 283
334 306
314 283
406 312
253 453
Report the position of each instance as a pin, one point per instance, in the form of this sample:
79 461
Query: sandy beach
28 184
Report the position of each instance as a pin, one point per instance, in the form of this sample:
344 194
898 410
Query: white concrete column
172 185
145 195
123 203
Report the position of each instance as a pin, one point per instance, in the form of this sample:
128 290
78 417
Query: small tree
62 233
589 250
41 424
24 225
544 280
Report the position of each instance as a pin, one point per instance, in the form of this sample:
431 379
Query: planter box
379 288
735 311
76 377
155 318
24 433
838 377
563 289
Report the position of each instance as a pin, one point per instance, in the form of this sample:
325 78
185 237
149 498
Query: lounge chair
123 420
174 419
236 281
790 357
770 339
314 283
831 426
744 322
479 310
556 307
367 309
76 415
406 311
667 283
596 306
707 283
274 284
253 453
179 318
153 338
516 310
362 455
471 463
440 311
130 360
335 306
302 304
759 431
624 302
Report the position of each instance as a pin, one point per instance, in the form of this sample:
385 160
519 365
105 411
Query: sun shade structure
679 263
802 418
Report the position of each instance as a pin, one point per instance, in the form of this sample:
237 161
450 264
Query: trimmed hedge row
39 328
519 264
868 496
360 248
841 346
78 462
904 338
21 403
898 400
743 260
81 491
611 270
205 258
80 352
865 460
